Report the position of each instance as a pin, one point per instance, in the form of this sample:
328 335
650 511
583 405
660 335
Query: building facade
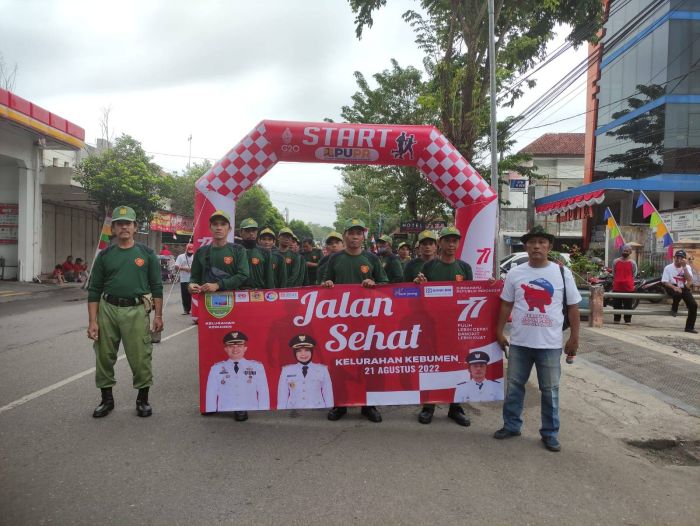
643 116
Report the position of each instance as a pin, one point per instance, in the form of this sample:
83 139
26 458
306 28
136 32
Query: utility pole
189 157
494 134
286 215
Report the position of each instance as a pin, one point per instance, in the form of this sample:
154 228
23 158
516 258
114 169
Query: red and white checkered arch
392 144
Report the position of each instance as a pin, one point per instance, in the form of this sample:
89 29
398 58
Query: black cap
680 254
537 231
477 357
301 341
235 337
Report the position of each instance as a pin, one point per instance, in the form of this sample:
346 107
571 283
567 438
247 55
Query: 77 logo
472 307
484 255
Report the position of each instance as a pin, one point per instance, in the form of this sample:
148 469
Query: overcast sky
214 69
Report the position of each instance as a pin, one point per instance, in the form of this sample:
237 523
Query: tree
8 74
396 192
123 175
300 229
255 202
454 36
180 188
319 232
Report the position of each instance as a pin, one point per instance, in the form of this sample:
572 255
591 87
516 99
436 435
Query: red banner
173 223
348 346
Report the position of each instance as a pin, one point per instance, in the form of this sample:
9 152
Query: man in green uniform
354 265
334 244
296 269
390 261
259 258
312 256
267 239
221 265
446 267
404 252
125 283
427 249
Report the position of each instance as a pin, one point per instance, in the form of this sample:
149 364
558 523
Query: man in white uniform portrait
237 384
304 384
478 388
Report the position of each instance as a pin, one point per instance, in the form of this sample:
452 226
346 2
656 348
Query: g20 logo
290 148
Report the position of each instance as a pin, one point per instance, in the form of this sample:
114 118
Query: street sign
518 185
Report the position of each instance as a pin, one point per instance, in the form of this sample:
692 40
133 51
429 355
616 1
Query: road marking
8 293
53 387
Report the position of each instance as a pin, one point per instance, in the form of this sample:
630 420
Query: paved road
60 466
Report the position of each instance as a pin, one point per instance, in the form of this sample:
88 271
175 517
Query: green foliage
319 232
180 188
647 270
454 38
580 265
395 192
300 229
123 175
255 202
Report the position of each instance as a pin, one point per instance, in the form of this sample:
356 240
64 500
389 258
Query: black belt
122 302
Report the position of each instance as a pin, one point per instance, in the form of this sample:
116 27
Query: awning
592 194
564 205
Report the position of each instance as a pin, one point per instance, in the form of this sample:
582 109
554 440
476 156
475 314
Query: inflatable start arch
391 144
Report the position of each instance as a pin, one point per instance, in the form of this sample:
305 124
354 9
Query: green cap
221 214
354 223
386 239
403 244
267 231
333 235
449 231
286 230
427 234
123 213
248 222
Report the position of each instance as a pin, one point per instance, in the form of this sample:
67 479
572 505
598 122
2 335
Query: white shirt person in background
237 384
183 265
678 278
304 385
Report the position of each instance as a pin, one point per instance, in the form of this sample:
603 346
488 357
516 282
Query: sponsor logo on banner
242 296
287 145
271 296
346 154
440 291
257 295
219 305
289 295
407 292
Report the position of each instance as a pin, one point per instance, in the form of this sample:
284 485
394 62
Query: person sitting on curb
678 277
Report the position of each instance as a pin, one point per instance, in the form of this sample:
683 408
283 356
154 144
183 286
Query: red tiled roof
557 145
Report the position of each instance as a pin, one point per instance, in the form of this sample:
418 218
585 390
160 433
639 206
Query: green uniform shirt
125 273
313 256
413 268
342 268
321 269
279 269
261 273
296 269
392 267
458 270
230 258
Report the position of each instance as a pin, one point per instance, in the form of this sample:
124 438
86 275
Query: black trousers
623 303
186 297
690 304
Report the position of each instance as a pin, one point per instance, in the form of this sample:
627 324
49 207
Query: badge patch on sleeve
139 262
228 259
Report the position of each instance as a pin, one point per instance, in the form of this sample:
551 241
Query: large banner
349 346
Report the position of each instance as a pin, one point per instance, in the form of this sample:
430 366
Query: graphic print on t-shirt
538 294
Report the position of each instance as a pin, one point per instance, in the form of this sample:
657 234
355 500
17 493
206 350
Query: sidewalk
20 290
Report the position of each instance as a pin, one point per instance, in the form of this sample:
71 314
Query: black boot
456 413
106 405
143 408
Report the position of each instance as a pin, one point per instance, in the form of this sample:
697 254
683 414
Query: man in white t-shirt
534 294
183 265
677 278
